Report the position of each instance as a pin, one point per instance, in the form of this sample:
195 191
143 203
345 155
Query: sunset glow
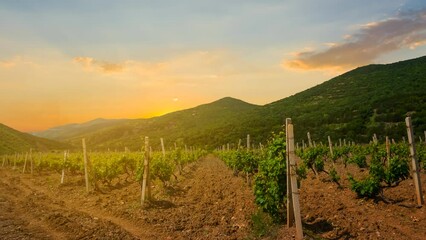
73 61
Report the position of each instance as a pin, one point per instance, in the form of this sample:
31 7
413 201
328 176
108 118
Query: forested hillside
12 141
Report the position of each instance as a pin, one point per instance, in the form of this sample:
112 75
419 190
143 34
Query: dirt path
207 202
211 203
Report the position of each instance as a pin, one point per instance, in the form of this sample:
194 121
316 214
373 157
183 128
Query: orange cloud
188 68
102 66
15 61
7 64
407 30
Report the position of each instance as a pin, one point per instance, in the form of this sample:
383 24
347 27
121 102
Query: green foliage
421 155
262 225
359 160
369 187
334 176
397 170
270 182
162 169
313 158
301 171
105 167
377 169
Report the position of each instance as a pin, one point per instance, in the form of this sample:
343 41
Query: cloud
7 64
16 61
406 30
189 68
102 66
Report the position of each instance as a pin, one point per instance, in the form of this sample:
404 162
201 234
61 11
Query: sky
73 61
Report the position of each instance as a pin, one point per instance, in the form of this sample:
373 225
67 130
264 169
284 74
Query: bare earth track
205 202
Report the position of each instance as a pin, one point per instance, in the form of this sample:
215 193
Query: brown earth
206 202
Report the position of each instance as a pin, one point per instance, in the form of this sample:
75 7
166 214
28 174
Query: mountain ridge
372 99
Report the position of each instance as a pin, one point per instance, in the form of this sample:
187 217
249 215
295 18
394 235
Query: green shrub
270 182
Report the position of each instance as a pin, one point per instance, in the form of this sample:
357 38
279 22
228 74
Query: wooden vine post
414 162
63 167
25 162
330 145
309 139
248 142
294 193
248 149
86 172
146 191
388 150
163 149
14 161
290 212
31 161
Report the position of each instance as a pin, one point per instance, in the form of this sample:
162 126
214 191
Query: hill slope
75 129
14 141
355 105
359 103
205 124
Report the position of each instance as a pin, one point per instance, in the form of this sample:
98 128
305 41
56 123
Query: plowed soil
207 201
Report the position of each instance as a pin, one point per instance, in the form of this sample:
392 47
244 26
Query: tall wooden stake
31 161
86 172
290 210
388 150
162 148
293 179
63 167
330 145
25 162
145 180
248 142
14 161
309 139
414 162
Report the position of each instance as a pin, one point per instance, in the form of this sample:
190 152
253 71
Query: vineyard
196 196
374 167
106 168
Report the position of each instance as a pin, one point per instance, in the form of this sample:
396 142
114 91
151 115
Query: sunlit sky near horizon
73 61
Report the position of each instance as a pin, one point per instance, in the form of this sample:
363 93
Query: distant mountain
12 141
75 129
192 127
374 99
